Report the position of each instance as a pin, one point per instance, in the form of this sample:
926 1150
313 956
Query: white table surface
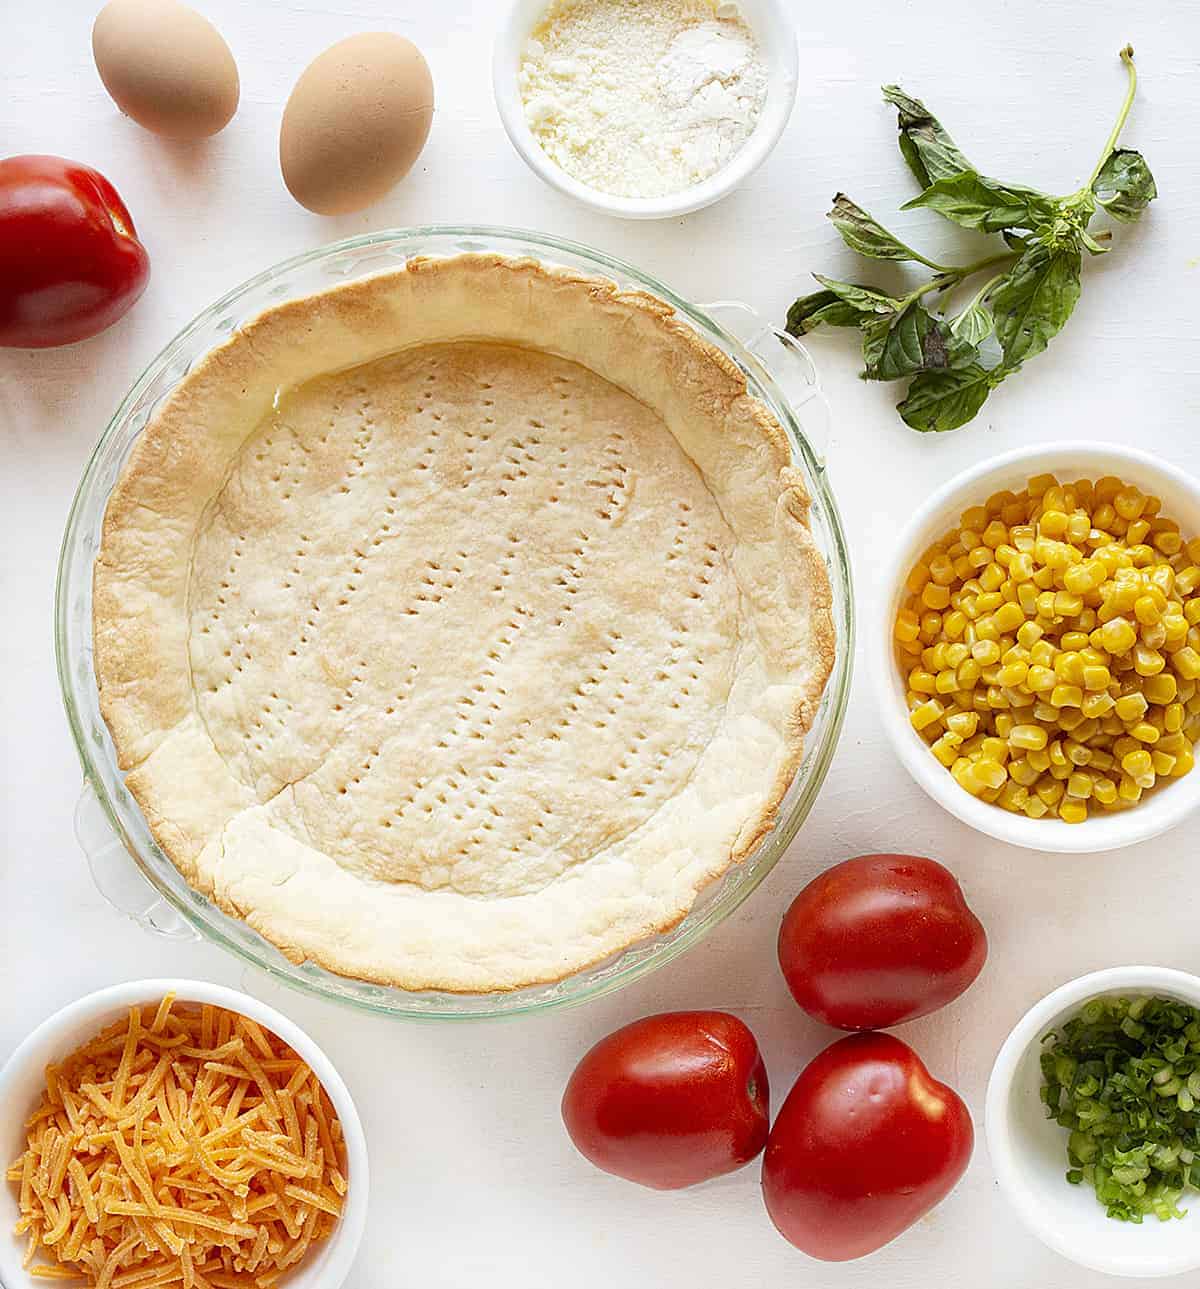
473 1178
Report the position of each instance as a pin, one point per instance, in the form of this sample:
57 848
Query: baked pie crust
456 626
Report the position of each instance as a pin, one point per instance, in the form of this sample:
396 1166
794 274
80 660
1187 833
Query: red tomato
878 940
866 1142
70 260
670 1100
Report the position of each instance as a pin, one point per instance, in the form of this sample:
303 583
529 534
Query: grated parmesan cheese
642 98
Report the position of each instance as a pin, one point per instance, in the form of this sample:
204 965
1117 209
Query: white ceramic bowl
22 1081
772 25
1180 494
1029 1151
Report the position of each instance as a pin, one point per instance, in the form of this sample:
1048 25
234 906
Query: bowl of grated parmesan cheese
645 109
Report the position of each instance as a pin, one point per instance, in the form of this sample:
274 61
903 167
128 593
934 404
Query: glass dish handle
788 363
116 875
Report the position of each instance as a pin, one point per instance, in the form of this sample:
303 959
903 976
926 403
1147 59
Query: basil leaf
810 311
1034 300
909 342
928 149
944 400
974 324
1125 186
864 298
864 234
1015 241
1092 245
975 202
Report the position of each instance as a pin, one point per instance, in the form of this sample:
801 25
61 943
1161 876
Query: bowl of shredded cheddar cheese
167 1132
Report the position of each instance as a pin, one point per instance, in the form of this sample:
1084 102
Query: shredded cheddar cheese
197 1151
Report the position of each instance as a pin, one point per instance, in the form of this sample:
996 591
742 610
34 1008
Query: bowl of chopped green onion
1093 1121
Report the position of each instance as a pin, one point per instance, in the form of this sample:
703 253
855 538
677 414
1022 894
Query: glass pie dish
128 866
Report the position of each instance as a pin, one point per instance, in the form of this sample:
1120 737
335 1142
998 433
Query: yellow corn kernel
1072 811
1078 528
1087 729
1131 707
1104 791
1173 718
1095 677
908 626
1027 594
991 578
1183 764
1164 762
974 518
1066 696
995 534
1040 679
1136 764
927 714
1036 808
941 570
991 774
1175 625
1079 785
1028 737
1040 760
1029 633
994 749
1117 636
1067 605
931 624
1013 796
935 596
985 652
1008 617
1053 523
1144 732
1040 484
1147 610
964 775
1128 790
947 682
957 653
1191 613
968 673
1077 753
1020 771
1137 532
1101 760
1012 674
1073 641
1042 654
954 624
1069 718
1129 503
1187 580
964 724
1068 667
921 681
1147 662
1095 705
1186 662
946 749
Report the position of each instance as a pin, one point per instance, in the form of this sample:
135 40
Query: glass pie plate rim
128 866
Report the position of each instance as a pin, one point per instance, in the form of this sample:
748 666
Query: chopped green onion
1123 1077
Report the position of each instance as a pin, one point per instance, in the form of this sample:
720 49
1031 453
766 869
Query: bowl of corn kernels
1039 646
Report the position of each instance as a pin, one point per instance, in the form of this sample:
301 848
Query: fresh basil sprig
1034 281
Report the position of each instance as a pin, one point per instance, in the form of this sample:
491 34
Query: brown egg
166 66
355 122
